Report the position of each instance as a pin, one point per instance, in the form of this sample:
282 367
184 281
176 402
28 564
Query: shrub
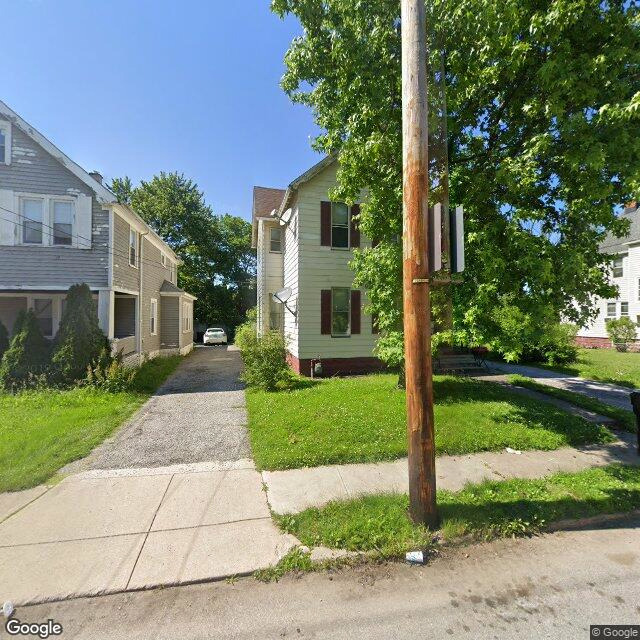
108 373
621 332
4 340
80 341
558 344
27 358
265 362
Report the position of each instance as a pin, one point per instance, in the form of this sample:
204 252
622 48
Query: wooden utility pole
417 312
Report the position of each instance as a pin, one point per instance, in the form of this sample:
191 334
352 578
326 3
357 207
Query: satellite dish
283 295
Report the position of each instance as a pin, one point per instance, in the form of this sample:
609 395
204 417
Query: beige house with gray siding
59 226
305 243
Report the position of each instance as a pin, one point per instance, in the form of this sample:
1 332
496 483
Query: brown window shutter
325 224
325 312
356 312
355 231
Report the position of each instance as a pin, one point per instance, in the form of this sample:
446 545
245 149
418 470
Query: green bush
4 340
621 332
108 373
26 360
558 344
79 342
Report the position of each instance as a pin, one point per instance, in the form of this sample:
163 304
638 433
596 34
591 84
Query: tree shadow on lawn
524 412
530 514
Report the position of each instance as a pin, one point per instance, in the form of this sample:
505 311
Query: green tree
218 261
542 101
122 188
80 341
27 357
4 340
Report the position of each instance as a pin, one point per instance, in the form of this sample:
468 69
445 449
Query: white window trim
621 267
186 318
624 315
47 219
153 316
135 263
348 333
5 125
163 259
348 247
271 241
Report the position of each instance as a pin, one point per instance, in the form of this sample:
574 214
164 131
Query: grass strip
491 509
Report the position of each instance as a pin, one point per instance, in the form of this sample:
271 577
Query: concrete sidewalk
110 531
298 489
608 393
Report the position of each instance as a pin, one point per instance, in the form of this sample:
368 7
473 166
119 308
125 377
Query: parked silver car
214 335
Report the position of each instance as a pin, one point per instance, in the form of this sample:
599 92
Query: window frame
619 269
163 260
153 317
23 220
133 232
271 240
348 226
5 158
347 334
279 313
609 316
624 309
48 219
52 220
186 318
51 301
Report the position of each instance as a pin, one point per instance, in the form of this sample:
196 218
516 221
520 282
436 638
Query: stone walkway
298 489
612 394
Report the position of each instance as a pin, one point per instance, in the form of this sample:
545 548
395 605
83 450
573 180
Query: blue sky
135 87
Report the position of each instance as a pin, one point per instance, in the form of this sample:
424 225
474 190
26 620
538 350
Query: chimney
96 175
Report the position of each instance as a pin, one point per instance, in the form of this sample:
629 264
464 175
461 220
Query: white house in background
626 275
305 242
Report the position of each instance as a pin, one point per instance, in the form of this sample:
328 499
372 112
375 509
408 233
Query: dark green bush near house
621 332
4 340
264 357
80 341
26 360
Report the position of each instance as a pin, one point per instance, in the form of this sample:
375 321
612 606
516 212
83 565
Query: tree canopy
218 261
543 110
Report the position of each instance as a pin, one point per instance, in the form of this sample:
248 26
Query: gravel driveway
197 415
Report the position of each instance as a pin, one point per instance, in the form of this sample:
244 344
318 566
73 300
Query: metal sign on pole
416 257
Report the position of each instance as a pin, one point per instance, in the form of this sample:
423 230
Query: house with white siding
305 242
625 274
60 226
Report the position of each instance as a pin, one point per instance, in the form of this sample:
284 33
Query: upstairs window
163 260
62 222
275 240
5 143
617 267
611 311
133 247
339 225
32 210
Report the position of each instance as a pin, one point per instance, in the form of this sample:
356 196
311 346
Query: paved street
551 586
612 394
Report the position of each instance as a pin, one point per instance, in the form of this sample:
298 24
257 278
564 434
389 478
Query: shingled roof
612 244
265 200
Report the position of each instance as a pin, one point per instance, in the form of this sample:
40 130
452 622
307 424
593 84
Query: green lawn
362 419
606 365
483 511
41 431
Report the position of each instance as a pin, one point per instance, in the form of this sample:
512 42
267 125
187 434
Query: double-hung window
133 247
43 311
276 315
339 225
275 240
5 143
611 311
153 317
624 309
32 213
186 317
163 260
618 271
63 222
340 311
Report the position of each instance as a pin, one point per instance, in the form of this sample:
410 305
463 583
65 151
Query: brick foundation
602 343
337 366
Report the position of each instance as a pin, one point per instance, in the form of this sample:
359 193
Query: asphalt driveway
197 415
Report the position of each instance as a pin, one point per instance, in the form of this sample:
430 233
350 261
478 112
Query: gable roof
301 179
102 193
265 200
611 244
170 289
